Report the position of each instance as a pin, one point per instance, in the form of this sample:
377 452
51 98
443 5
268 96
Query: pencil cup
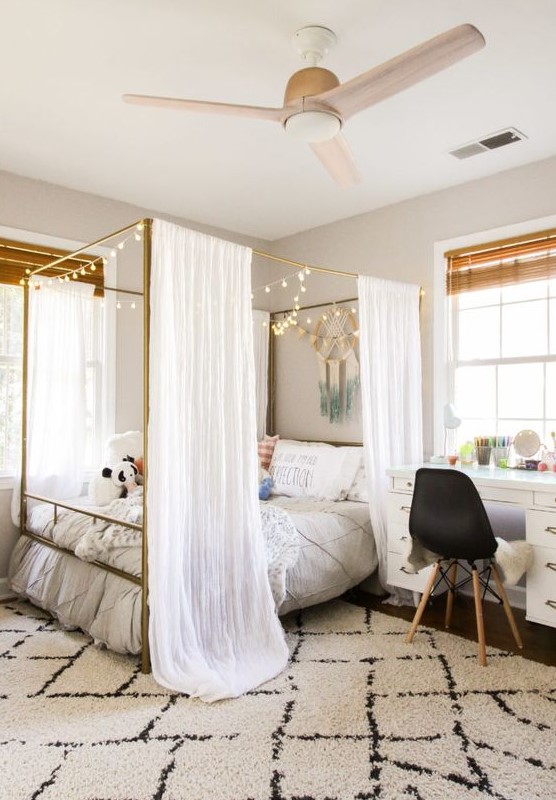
483 455
500 455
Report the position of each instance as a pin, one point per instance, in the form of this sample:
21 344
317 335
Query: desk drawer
546 499
397 576
398 538
403 484
541 587
541 528
399 506
520 497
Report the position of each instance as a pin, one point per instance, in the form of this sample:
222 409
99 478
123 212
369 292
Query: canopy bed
84 562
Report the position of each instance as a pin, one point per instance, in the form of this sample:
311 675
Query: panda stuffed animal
123 476
113 482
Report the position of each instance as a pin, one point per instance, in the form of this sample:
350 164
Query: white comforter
315 550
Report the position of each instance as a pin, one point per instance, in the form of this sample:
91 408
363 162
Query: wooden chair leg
452 573
479 616
424 600
505 603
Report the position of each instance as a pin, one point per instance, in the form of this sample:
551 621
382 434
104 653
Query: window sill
7 482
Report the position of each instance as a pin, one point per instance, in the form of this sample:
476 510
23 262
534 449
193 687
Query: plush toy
123 476
265 483
265 488
113 483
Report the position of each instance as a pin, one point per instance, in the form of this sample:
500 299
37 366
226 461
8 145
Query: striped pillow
266 448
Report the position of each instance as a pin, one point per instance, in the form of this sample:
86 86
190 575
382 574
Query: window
11 304
15 258
502 367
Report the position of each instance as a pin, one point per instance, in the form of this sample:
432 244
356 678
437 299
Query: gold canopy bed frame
61 267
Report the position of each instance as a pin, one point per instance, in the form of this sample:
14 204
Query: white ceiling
65 65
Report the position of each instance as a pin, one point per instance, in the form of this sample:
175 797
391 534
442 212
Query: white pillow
301 469
359 490
125 444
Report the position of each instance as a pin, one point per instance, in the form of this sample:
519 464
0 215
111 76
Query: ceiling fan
316 105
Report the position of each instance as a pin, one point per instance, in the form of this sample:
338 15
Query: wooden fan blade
336 157
403 71
205 107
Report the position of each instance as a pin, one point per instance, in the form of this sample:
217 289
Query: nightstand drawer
541 587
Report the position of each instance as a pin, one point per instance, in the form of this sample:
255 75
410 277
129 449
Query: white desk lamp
451 422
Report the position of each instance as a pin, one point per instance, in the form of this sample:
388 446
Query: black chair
448 518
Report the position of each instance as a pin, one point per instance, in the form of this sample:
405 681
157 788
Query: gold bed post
147 253
24 395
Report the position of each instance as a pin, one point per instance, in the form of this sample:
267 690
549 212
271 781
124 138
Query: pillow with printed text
306 469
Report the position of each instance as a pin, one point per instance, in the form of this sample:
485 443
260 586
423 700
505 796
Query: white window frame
442 392
109 365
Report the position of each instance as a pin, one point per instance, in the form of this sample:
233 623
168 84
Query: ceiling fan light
313 126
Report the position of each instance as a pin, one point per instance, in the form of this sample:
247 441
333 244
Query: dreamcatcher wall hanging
334 339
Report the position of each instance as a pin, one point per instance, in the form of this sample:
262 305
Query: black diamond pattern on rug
357 714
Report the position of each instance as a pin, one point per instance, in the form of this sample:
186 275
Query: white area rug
358 714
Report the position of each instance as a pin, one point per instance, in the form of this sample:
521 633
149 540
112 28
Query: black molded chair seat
448 518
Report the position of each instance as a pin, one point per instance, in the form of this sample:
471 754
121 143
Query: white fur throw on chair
513 558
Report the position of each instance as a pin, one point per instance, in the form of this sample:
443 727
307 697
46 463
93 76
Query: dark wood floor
539 641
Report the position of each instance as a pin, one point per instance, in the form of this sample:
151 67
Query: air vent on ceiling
491 142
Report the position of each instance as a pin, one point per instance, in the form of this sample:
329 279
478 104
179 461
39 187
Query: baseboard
5 591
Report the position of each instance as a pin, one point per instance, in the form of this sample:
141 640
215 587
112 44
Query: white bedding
316 550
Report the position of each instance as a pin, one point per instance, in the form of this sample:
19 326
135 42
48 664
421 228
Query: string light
267 289
284 283
92 266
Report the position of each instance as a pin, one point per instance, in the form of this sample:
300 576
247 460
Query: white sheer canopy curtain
56 408
390 356
214 632
261 325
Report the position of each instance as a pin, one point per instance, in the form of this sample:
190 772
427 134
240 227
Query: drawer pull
551 565
551 603
550 529
407 509
409 484
404 539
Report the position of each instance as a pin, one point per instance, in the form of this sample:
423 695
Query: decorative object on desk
452 460
483 455
501 450
483 447
466 454
526 443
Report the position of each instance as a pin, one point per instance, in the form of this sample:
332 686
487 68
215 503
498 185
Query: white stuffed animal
114 482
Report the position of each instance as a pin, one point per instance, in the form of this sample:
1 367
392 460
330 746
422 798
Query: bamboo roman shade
508 261
18 257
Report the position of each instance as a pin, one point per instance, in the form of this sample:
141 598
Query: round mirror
526 443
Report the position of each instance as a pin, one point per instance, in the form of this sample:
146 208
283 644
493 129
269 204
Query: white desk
533 491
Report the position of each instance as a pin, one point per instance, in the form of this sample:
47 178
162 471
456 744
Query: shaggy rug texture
357 714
